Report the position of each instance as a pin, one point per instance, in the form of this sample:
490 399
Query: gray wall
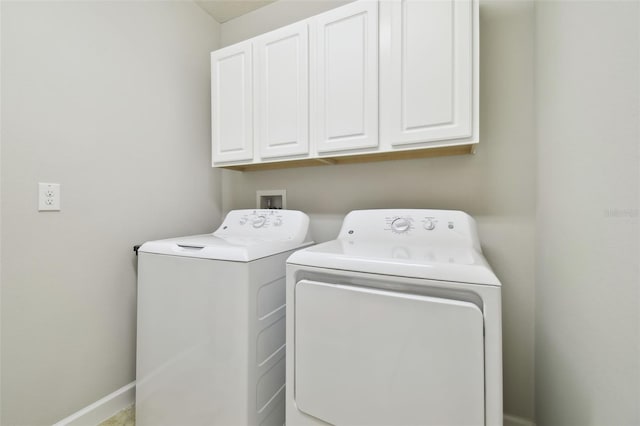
110 99
497 185
587 285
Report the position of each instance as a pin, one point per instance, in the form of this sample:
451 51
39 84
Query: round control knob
400 225
429 225
258 221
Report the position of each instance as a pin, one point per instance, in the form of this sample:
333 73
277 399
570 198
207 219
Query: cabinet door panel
426 71
345 67
282 92
231 106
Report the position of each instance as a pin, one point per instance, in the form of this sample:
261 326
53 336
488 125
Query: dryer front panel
379 357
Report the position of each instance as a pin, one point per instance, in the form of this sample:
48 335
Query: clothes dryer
211 322
396 322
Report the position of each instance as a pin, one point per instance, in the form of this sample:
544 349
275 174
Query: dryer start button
429 224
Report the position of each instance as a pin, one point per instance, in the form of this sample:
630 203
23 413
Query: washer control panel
262 218
263 223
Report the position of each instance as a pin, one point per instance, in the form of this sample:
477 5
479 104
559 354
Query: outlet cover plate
48 196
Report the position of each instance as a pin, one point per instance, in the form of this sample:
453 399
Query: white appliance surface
397 321
243 236
430 244
380 343
211 323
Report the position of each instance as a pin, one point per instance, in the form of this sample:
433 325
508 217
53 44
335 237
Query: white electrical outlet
48 196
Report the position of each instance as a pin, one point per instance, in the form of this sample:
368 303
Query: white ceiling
224 10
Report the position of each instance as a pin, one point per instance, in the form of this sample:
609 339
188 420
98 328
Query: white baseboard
102 409
510 420
117 401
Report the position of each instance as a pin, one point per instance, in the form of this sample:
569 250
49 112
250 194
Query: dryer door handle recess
358 348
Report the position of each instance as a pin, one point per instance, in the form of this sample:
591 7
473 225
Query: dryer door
367 356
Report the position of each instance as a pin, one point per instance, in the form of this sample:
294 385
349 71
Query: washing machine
396 322
211 322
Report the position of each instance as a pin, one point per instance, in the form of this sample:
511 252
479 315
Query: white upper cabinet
231 104
281 92
427 71
344 75
308 92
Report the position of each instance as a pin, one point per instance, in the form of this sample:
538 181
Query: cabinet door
344 54
231 104
426 70
282 92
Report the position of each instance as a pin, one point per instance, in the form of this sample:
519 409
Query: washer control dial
258 221
429 224
400 225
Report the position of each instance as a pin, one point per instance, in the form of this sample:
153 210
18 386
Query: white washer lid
243 236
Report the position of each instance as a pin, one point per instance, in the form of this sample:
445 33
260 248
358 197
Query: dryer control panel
415 225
